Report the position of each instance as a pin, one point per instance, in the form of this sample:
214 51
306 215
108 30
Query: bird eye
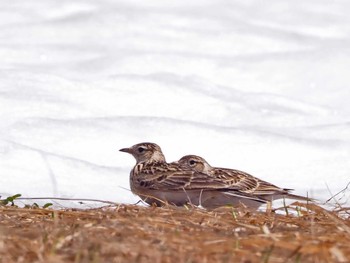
140 149
192 162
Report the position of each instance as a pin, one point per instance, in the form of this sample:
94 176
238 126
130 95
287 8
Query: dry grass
129 233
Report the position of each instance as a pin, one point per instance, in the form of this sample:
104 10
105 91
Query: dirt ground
131 233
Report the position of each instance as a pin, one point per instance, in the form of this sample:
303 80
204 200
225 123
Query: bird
241 181
158 183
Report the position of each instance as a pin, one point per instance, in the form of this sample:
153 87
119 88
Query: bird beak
126 150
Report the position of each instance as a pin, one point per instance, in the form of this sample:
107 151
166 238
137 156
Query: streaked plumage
241 181
159 182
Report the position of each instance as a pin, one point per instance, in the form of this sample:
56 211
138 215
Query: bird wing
170 177
164 176
247 183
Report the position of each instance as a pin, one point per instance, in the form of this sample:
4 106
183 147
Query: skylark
241 181
158 182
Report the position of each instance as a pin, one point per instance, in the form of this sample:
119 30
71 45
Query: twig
67 199
341 191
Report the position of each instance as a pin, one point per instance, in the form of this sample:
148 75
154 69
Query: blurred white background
260 87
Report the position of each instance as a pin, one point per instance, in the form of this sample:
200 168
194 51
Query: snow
258 87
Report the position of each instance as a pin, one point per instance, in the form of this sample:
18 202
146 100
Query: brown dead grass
129 233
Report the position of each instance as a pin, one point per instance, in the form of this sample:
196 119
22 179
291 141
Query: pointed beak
126 150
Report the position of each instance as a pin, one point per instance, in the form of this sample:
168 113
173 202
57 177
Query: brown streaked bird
241 181
158 182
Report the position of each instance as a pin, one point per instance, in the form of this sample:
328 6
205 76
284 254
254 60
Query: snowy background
260 87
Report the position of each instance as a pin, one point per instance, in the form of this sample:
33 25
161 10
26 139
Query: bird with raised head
158 182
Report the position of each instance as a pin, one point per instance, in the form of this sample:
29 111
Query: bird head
195 163
145 152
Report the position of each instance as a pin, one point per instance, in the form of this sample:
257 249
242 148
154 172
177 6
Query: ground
131 233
